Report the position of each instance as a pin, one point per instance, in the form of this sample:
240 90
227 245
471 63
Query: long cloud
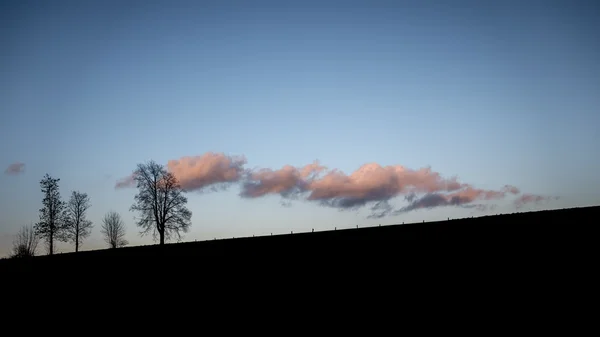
371 184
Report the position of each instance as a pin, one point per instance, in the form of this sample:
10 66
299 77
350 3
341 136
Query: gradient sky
494 94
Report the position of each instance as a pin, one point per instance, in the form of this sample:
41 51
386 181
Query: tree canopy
160 202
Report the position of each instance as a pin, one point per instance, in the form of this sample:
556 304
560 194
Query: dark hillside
551 229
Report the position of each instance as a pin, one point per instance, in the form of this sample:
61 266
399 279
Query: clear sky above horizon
492 94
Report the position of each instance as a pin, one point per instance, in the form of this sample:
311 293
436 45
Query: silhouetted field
501 236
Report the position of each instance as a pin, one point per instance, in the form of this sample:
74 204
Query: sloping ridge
562 225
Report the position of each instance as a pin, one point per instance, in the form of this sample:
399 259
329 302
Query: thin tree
161 203
113 229
25 242
52 214
77 226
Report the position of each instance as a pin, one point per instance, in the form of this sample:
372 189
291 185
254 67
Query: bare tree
161 202
52 214
25 243
113 229
77 226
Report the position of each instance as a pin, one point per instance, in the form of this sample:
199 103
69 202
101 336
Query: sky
281 116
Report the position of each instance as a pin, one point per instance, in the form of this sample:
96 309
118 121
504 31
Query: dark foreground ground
532 263
505 270
516 237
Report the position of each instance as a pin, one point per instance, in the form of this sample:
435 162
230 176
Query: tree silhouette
52 214
25 242
113 229
161 202
77 227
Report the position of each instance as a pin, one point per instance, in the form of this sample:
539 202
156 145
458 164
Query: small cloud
126 182
511 189
380 210
429 201
481 207
532 198
15 168
410 197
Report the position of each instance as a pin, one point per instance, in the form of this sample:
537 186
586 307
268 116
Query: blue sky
495 94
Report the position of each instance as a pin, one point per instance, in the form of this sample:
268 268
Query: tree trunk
77 239
51 241
162 237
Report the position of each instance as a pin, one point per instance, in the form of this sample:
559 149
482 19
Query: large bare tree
161 203
25 242
51 226
113 229
77 226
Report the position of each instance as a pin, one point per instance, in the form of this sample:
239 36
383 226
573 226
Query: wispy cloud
126 182
511 189
460 198
532 198
15 168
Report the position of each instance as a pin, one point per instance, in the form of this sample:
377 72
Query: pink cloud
15 168
371 183
195 173
285 181
198 172
469 194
